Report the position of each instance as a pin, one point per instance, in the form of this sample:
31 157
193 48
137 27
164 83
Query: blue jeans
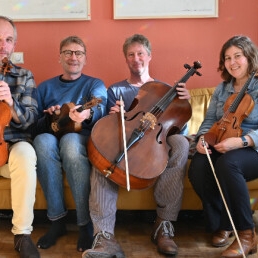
70 154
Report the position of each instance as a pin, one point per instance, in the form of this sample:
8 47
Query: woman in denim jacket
235 159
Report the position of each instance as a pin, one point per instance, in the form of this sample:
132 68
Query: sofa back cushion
200 99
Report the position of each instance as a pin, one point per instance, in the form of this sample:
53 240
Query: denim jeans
68 154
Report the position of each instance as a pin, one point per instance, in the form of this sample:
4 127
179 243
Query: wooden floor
133 231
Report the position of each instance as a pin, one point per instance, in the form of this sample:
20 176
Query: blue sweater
58 92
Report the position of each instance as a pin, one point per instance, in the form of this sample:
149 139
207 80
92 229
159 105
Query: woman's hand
229 144
200 147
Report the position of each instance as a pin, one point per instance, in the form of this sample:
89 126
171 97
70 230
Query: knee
179 147
23 156
42 142
73 145
196 175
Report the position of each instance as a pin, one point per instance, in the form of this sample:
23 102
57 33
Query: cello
157 112
5 117
234 113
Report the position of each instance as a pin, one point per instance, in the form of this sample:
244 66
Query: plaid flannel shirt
23 90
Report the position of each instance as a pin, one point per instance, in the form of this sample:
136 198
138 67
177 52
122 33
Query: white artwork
148 9
31 10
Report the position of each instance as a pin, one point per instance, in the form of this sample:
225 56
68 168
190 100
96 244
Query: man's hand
5 93
116 108
182 91
51 110
79 117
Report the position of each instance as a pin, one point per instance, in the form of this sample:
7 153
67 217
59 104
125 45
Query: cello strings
158 109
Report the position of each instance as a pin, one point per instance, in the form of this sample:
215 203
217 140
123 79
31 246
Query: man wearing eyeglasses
72 90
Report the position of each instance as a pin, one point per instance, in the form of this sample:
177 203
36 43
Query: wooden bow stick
222 196
124 140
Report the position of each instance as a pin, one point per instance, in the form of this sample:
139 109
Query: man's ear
85 61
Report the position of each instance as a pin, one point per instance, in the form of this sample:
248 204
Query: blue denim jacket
216 110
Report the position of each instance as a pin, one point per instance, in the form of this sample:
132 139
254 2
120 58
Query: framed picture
45 10
160 9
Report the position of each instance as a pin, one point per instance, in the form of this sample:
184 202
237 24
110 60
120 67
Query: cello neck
172 93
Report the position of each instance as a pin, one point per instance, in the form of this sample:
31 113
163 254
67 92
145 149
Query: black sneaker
24 245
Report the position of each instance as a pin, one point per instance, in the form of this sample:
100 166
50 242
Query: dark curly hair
249 49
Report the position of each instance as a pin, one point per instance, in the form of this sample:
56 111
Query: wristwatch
245 142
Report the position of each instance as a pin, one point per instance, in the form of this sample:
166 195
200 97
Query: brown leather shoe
162 234
24 245
248 241
221 238
104 246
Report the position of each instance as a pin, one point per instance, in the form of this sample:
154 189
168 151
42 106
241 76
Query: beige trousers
21 169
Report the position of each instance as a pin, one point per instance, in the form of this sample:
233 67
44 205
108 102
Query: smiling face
236 63
7 39
72 65
137 59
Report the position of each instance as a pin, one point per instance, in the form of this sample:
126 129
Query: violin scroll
6 66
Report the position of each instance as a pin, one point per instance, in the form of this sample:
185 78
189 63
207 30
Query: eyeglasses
69 53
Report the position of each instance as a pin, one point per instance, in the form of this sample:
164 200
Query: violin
157 112
237 107
61 123
5 116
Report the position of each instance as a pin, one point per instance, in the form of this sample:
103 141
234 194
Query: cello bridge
149 118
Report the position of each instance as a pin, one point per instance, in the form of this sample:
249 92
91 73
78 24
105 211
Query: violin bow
124 140
222 195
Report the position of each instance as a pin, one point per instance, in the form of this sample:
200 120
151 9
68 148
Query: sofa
143 199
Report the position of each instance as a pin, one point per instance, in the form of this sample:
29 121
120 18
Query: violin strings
238 98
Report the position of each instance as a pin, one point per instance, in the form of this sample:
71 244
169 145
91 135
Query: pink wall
174 41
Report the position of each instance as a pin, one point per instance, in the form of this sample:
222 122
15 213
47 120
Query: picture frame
162 9
46 10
